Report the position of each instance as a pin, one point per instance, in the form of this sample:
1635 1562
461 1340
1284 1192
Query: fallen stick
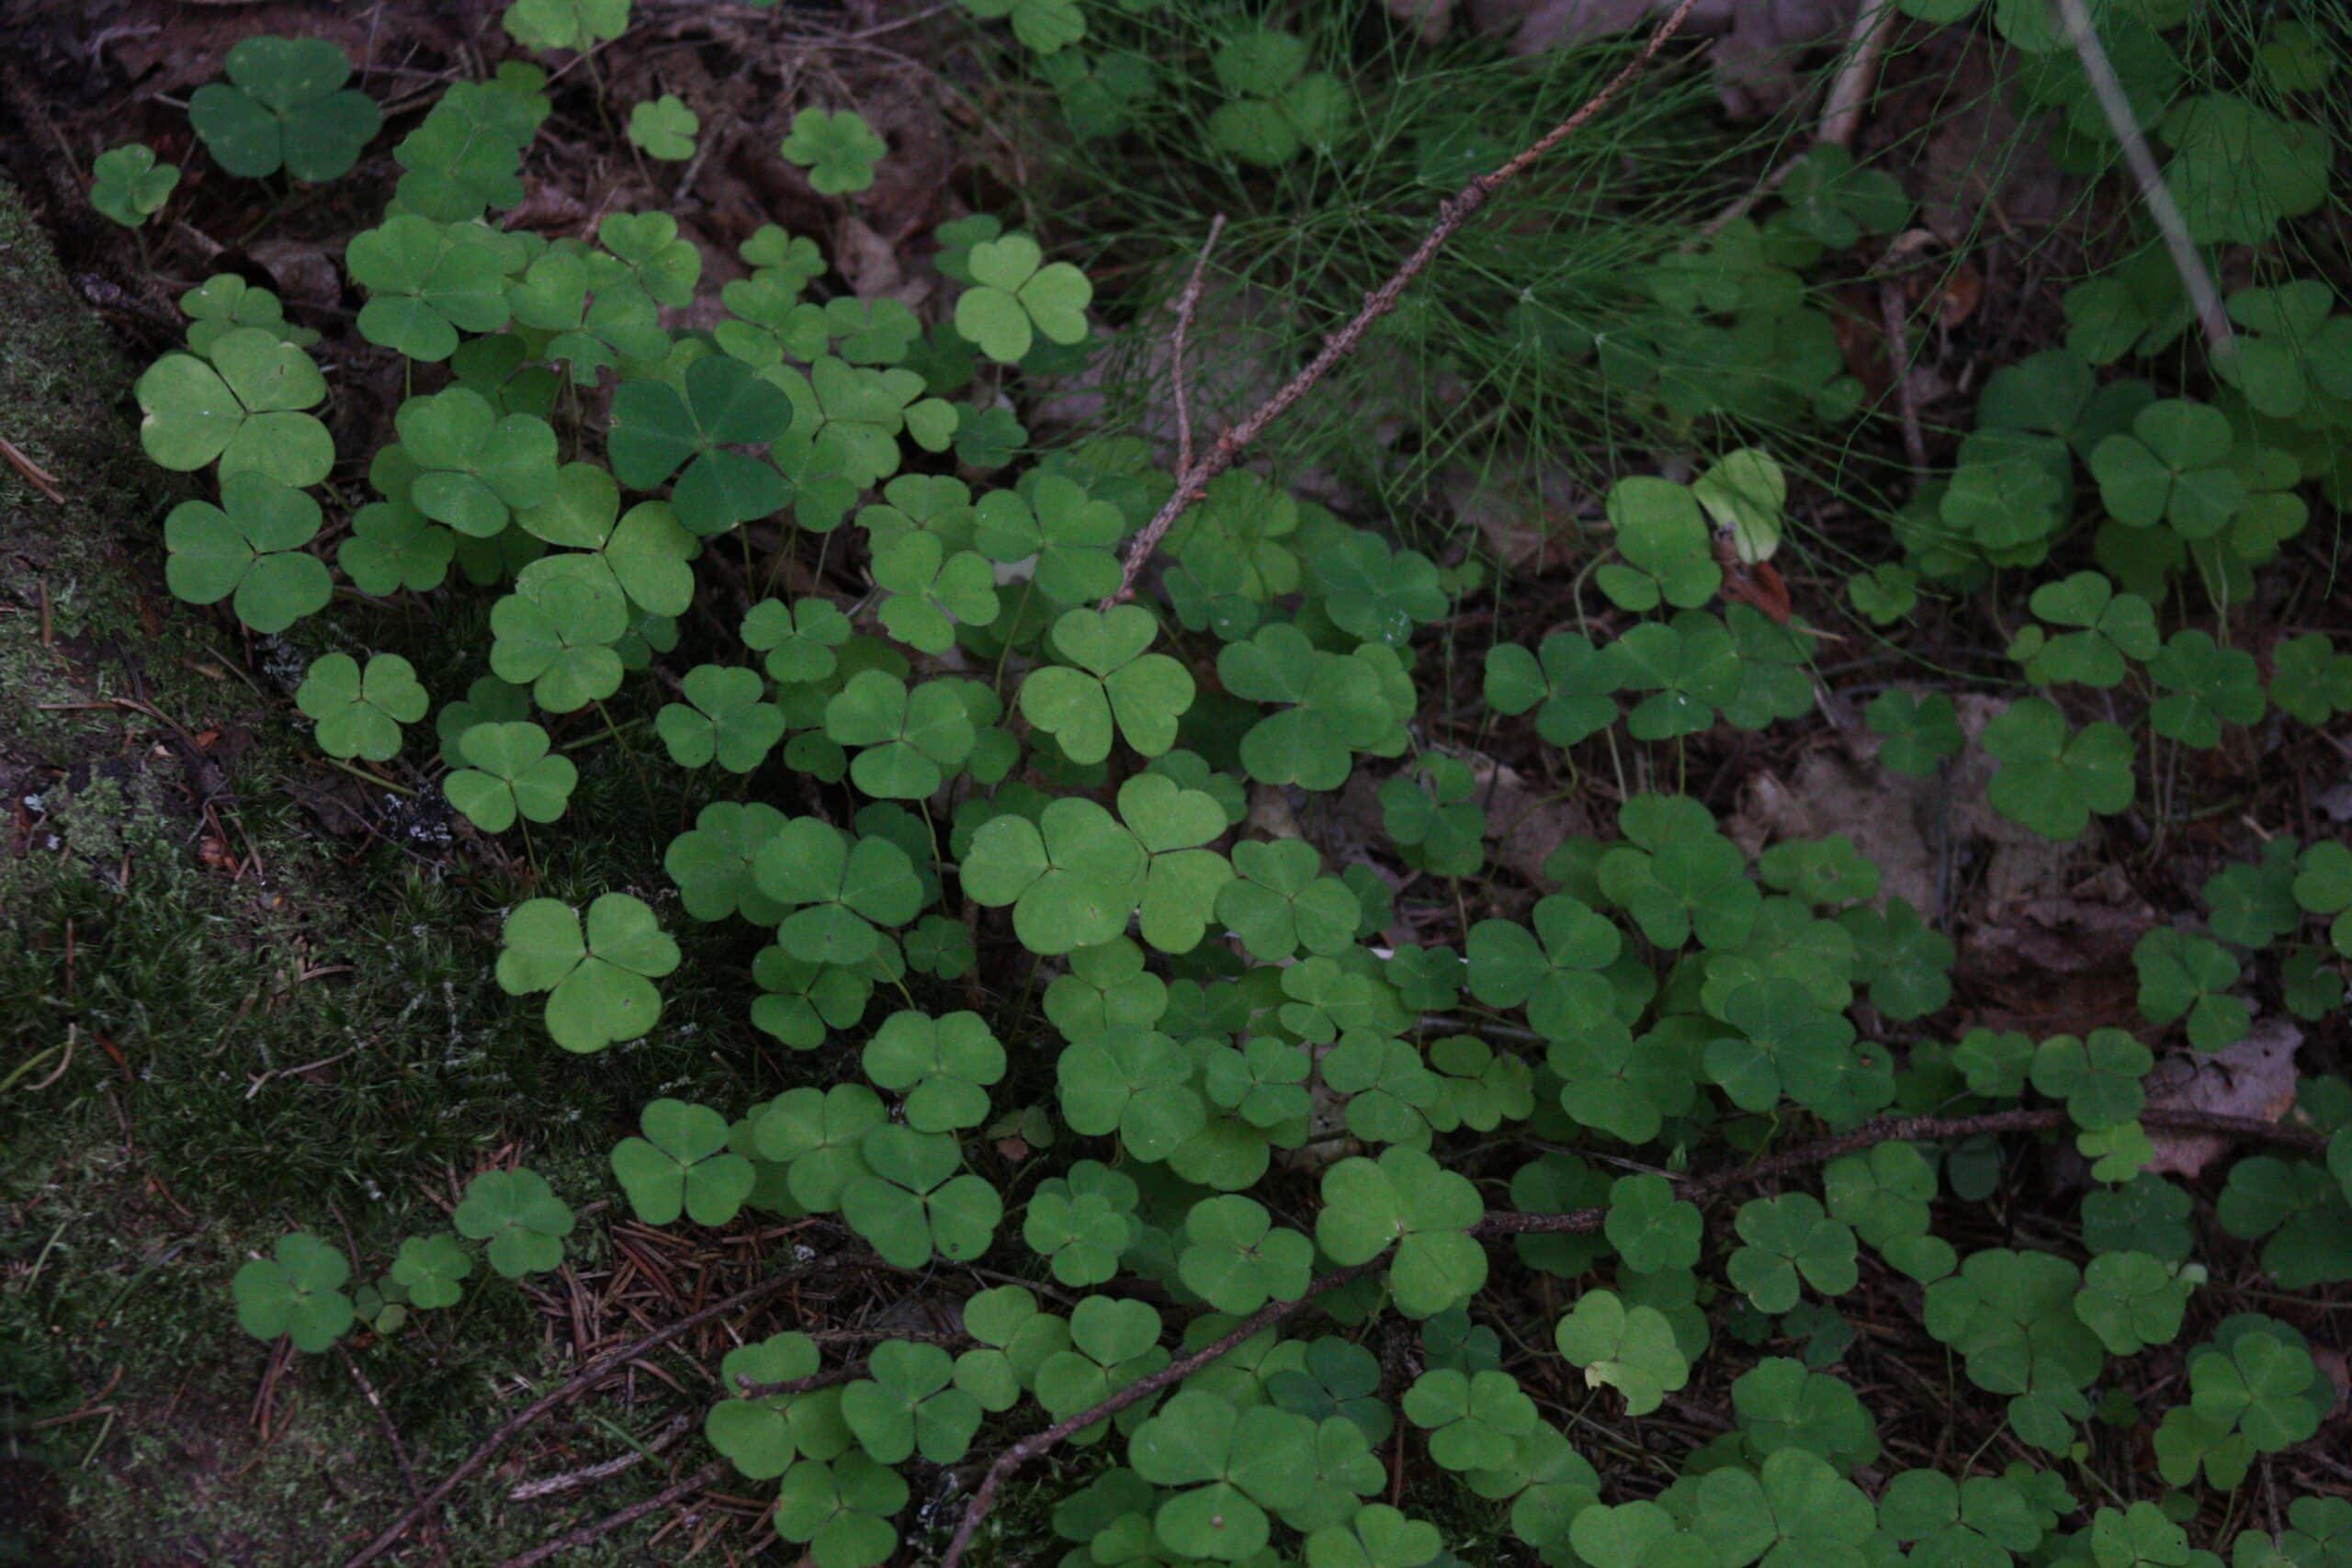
579 1382
1901 1129
1193 479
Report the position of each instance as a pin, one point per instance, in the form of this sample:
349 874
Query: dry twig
1850 93
1037 1443
596 1529
604 1470
594 1372
1841 114
32 473
1193 479
399 1449
1891 314
1186 304
1904 1129
2116 104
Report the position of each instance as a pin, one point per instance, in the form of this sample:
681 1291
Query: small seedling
664 127
838 149
127 185
359 713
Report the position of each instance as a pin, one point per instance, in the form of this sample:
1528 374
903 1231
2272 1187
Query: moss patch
222 1024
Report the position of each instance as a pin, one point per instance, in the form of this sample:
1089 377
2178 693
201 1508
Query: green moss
270 1029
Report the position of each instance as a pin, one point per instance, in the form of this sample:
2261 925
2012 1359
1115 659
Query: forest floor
239 984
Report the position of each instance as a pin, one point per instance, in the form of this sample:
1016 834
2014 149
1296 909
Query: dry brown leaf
1538 25
1889 819
304 274
2039 934
865 258
1534 518
1982 169
1757 584
1524 827
1755 53
2255 1077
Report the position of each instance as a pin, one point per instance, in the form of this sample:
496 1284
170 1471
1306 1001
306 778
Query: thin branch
596 1372
1841 116
1890 315
746 1388
399 1449
596 1529
1038 1443
604 1470
1186 304
1912 1130
2116 104
1193 479
1903 1129
1849 93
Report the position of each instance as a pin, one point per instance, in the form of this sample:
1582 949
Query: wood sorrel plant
1311 1147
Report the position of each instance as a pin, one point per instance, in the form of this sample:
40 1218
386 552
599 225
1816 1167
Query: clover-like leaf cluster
1168 970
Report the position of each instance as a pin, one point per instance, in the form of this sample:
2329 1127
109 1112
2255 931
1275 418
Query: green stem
601 736
786 551
366 778
28 1066
596 82
613 729
1019 609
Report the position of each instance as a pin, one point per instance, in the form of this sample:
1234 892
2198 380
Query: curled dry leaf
303 273
2255 1077
1533 517
1524 826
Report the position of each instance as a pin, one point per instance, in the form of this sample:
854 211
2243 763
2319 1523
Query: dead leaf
1979 161
1538 25
865 258
303 274
1755 49
1534 518
1758 585
1523 826
2255 1077
1963 291
1759 68
1889 819
2037 935
1271 813
2330 1360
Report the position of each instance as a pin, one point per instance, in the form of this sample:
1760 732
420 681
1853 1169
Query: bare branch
588 1377
1187 303
399 1449
1841 116
2114 103
1849 93
1890 315
1901 1129
596 1529
1038 1443
1193 479
604 1470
